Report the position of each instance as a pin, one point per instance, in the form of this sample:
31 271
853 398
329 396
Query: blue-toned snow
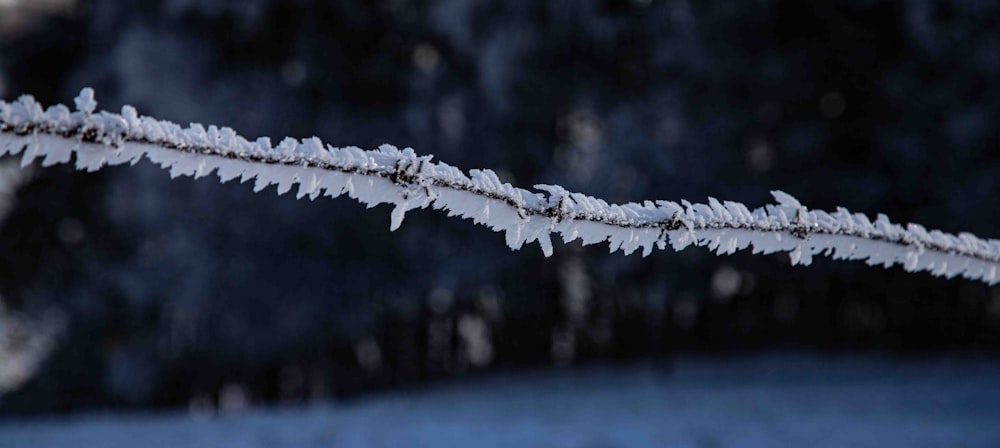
754 401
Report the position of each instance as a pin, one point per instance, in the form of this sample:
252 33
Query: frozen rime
409 181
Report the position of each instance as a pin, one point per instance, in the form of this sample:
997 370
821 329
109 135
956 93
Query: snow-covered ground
749 401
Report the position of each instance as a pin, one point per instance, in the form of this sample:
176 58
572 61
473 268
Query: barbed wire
410 181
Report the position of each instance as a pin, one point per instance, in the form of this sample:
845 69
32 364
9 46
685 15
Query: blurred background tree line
193 293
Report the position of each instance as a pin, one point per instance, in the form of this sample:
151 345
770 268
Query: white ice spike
400 177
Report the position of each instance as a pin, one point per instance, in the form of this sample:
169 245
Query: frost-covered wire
410 181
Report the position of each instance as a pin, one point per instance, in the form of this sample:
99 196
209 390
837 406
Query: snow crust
760 400
389 175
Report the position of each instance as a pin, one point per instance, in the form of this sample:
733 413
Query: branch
401 177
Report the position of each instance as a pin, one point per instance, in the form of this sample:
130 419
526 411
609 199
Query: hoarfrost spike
401 177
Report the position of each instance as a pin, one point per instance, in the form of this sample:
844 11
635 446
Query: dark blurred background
125 289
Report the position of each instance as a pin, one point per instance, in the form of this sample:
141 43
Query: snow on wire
409 181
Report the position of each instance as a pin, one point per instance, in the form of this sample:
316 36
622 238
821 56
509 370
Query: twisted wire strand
410 181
